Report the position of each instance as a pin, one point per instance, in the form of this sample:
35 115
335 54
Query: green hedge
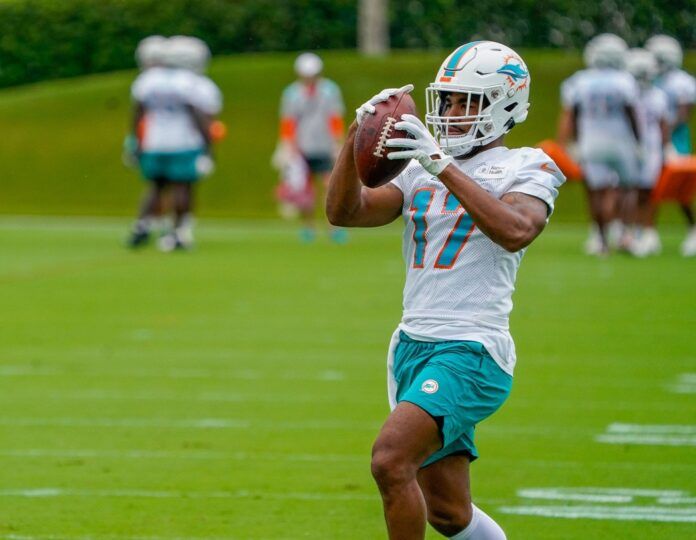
41 39
538 23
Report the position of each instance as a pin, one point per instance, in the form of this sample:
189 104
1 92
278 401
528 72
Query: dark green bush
42 39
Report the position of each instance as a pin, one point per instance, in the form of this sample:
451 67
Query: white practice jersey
167 94
652 110
601 96
459 283
680 88
312 108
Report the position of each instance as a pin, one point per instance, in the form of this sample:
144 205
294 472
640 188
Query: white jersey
680 88
459 283
652 110
167 95
601 97
312 108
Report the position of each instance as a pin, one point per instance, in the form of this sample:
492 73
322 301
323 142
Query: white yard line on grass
686 384
200 455
193 423
51 492
327 375
203 397
594 494
624 504
649 434
620 513
110 537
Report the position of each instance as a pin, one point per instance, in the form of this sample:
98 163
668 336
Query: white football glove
369 106
282 155
423 147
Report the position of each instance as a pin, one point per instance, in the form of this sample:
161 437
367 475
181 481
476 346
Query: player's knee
449 519
389 468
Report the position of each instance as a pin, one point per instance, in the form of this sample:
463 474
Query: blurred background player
653 117
599 114
680 88
175 106
311 128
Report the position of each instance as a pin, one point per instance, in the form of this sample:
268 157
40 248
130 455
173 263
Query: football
370 151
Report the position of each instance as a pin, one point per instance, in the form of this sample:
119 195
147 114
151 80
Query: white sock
184 230
482 527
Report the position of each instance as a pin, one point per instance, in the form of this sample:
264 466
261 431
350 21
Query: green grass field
234 392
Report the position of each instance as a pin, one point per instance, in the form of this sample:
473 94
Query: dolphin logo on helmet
513 70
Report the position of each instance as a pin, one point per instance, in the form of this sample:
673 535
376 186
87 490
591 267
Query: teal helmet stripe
457 56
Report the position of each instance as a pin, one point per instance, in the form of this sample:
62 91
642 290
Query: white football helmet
308 65
150 51
667 51
498 79
605 51
187 52
642 65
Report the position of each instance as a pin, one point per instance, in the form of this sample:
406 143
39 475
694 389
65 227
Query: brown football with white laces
370 150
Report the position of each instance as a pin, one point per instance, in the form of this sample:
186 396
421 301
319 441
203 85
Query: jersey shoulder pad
535 159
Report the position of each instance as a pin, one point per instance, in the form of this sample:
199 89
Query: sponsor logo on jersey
430 386
490 172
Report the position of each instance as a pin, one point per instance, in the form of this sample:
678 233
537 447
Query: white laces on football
369 106
423 147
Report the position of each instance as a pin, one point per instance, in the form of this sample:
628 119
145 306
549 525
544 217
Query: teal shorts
681 139
455 382
172 166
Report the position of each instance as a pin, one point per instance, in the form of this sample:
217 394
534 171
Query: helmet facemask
477 128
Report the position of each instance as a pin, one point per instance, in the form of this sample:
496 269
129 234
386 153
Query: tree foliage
42 39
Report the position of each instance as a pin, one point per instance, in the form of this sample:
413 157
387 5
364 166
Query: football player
681 90
470 207
599 115
175 108
311 126
653 116
148 54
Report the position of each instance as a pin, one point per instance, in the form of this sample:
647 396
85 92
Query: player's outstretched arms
349 203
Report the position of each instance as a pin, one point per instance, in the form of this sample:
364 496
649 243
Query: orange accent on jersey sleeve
217 130
563 161
677 181
288 129
336 126
140 130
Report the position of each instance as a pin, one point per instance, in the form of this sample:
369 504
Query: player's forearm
495 218
138 114
343 198
684 113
